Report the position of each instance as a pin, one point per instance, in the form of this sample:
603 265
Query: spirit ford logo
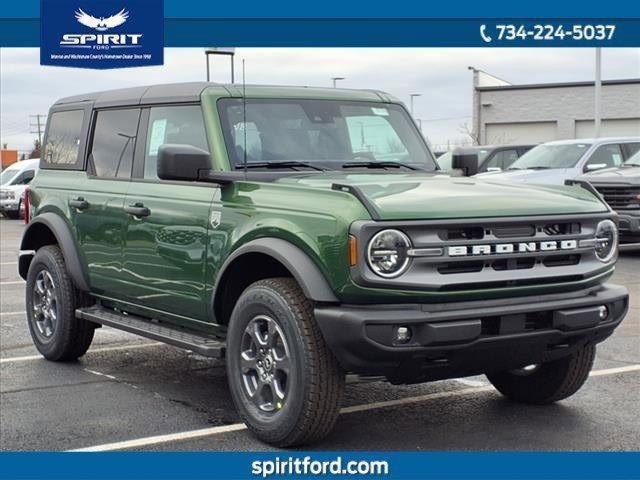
100 39
101 24
101 34
505 248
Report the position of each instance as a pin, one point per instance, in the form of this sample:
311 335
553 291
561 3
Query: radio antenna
244 119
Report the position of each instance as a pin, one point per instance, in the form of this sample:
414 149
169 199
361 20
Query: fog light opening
403 335
603 312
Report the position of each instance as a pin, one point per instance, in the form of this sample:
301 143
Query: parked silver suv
555 162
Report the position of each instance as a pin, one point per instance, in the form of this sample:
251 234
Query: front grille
620 196
561 260
493 253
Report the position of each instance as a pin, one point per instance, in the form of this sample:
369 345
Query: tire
547 382
56 332
310 393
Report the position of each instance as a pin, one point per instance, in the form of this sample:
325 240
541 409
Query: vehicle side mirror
181 162
595 166
467 162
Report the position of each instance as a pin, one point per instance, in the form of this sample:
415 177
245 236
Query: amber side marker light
353 251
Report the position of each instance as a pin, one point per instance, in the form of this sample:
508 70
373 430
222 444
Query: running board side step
176 336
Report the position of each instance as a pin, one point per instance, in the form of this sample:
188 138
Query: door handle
79 203
137 210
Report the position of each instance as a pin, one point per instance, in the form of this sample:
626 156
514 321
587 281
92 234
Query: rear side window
502 159
114 139
605 156
632 148
63 139
180 124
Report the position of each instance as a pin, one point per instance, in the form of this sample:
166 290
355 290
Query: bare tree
468 131
35 153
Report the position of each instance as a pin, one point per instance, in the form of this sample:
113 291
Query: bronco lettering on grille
506 248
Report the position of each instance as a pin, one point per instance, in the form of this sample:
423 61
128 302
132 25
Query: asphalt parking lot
128 393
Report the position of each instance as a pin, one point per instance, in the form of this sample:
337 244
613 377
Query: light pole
412 96
597 117
335 79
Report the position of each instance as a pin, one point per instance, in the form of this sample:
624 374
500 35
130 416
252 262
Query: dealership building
506 114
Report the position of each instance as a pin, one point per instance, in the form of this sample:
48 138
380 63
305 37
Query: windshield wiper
631 164
539 167
378 165
281 164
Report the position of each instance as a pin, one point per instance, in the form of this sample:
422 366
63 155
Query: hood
18 189
552 176
414 196
614 175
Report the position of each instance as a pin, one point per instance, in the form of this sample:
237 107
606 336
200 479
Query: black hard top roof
171 92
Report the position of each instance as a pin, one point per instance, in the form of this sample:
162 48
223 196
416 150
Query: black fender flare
311 280
66 241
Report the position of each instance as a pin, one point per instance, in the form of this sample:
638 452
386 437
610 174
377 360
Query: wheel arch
266 258
50 229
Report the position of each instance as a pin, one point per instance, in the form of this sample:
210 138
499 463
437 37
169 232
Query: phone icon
483 34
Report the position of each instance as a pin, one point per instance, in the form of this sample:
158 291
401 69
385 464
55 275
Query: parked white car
13 182
555 162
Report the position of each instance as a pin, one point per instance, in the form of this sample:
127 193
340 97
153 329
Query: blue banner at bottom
296 464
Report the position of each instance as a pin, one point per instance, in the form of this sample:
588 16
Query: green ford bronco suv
305 233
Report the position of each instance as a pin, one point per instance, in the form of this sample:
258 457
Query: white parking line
8 263
172 437
612 371
206 432
471 383
13 313
17 282
136 346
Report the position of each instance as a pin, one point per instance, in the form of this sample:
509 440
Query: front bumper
9 205
468 338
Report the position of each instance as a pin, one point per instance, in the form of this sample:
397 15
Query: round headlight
387 253
606 240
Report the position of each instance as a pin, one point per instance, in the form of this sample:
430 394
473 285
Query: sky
440 75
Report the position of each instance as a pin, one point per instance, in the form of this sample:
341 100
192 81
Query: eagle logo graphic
101 24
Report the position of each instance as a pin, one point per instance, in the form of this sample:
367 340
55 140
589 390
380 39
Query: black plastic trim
156 330
304 270
66 242
364 200
452 331
587 186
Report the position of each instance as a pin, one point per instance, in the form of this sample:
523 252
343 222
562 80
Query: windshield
634 159
327 134
8 173
551 156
